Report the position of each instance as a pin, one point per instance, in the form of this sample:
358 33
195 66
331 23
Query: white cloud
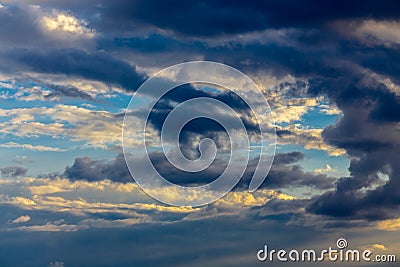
290 113
98 128
29 93
329 109
31 147
328 169
49 227
61 226
22 219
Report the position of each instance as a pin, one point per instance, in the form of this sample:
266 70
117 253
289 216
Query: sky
68 70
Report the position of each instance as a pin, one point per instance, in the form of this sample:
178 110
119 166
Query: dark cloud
288 158
180 177
278 209
98 66
381 59
285 174
13 171
368 131
213 18
85 168
276 58
295 176
66 90
23 24
281 175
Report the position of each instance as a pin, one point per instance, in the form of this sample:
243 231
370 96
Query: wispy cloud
22 219
31 147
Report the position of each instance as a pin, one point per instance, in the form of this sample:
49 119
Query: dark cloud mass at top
212 18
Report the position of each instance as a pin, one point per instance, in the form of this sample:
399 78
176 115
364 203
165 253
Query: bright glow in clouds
66 23
389 225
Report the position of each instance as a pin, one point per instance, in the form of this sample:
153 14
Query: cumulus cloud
88 169
368 132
